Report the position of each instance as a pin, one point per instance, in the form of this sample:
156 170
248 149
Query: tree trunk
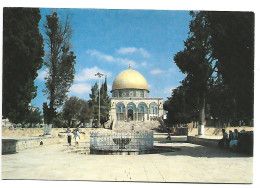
202 120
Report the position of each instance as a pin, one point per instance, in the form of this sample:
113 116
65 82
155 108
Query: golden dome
130 79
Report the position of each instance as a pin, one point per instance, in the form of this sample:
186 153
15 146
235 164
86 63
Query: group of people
76 135
153 118
229 140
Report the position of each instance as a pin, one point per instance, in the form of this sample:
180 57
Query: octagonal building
130 98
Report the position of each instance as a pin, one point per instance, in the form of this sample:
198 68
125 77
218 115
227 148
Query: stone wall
15 145
210 131
7 132
203 141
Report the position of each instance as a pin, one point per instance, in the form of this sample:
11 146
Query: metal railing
121 141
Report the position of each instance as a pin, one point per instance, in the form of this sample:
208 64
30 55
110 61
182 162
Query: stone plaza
190 163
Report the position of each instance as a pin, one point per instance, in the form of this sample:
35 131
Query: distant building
130 99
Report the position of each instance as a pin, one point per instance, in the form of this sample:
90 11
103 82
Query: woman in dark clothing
69 137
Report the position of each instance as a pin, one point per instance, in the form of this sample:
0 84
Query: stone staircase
136 125
84 143
82 148
77 149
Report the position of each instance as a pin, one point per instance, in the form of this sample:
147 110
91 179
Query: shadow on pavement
202 151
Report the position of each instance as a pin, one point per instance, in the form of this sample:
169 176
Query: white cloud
144 52
111 59
80 88
172 70
42 74
130 50
168 90
89 74
144 63
157 71
109 87
126 50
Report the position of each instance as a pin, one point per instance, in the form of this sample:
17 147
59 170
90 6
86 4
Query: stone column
125 113
148 109
136 114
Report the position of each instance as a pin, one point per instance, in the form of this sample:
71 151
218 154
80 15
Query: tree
22 57
71 109
197 60
218 59
60 62
182 107
59 121
104 103
232 40
93 103
34 117
85 112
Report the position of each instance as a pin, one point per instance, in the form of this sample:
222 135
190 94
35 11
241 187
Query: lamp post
99 75
158 108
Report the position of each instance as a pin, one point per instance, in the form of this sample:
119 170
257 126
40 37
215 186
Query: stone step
78 150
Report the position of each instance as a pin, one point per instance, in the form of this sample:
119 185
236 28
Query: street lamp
99 75
159 103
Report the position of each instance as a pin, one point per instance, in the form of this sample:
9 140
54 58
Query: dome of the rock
130 79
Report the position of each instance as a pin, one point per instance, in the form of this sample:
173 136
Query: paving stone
193 163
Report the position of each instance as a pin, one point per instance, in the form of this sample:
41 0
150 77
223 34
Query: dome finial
130 65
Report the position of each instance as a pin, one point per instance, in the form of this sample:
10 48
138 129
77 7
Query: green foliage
218 60
232 39
59 121
71 109
104 103
197 62
85 112
76 109
22 57
93 103
60 62
182 107
34 117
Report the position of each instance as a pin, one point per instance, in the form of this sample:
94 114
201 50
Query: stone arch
132 106
153 109
142 111
120 111
131 111
120 107
142 107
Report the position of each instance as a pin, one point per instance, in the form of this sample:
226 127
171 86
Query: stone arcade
130 99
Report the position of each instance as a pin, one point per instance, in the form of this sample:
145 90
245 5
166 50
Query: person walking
224 141
169 133
77 138
69 134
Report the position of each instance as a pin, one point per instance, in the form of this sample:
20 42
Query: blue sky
108 40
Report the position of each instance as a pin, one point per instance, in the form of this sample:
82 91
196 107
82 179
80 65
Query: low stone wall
178 131
203 141
22 131
211 131
7 132
13 145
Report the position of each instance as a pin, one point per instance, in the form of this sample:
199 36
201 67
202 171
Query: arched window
131 111
120 107
132 106
153 108
120 111
142 110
